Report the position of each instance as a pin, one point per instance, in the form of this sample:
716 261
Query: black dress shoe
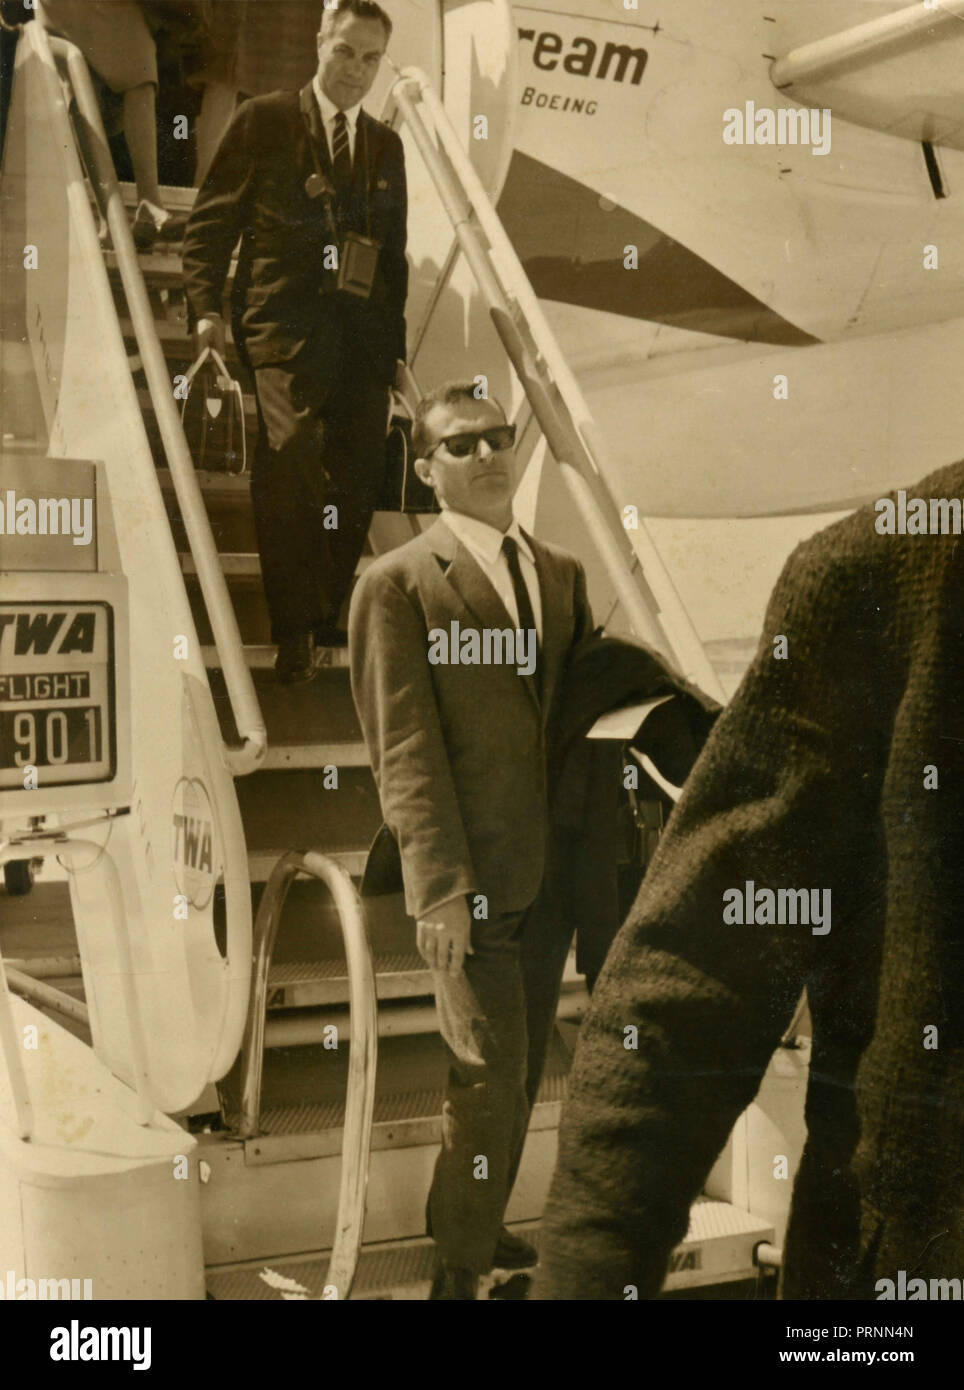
454 1285
153 223
295 663
512 1252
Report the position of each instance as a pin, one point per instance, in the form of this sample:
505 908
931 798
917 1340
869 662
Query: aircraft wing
898 73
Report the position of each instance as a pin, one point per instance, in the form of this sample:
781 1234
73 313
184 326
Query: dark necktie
341 157
523 603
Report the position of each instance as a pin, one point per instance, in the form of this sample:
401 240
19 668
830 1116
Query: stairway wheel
18 877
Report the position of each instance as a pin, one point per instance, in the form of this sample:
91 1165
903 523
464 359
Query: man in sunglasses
458 748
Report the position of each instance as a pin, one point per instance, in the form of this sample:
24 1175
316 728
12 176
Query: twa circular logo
197 858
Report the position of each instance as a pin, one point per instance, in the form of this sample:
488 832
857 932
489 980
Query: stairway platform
398 1269
718 1249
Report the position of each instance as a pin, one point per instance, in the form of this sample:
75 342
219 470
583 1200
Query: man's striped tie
341 157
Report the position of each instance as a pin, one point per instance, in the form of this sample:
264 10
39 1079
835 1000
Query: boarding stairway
271 1154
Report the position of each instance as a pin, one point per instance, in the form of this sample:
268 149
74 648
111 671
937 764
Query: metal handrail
46 996
570 432
363 1056
214 589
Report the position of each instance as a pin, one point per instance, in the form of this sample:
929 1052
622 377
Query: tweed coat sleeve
399 716
776 797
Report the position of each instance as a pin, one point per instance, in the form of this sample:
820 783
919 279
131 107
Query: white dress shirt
484 544
328 113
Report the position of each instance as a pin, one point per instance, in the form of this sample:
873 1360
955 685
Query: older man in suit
839 765
458 747
315 188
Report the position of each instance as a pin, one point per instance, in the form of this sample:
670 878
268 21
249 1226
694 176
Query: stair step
262 861
233 488
227 500
177 345
399 975
296 809
307 984
161 268
311 931
250 609
246 564
409 1016
174 196
398 1270
718 1248
277 1194
300 718
260 656
250 413
303 757
409 1091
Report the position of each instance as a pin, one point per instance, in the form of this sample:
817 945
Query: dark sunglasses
460 446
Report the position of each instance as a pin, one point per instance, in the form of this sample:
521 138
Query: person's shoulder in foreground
788 790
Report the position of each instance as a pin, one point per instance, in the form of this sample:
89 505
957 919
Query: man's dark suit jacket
813 777
282 294
459 752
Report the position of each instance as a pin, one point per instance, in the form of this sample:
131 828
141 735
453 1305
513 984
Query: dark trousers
321 444
496 1017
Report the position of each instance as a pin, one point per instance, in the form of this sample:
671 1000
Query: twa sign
197 854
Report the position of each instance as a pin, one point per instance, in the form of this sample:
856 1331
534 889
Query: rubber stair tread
399 1265
313 1117
336 968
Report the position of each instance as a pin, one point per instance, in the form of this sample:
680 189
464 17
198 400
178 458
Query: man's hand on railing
444 936
211 332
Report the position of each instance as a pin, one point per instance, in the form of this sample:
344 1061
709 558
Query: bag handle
228 384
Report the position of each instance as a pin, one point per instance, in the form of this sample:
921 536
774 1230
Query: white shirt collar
486 539
329 110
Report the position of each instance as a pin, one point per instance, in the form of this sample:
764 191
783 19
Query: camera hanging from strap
357 254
